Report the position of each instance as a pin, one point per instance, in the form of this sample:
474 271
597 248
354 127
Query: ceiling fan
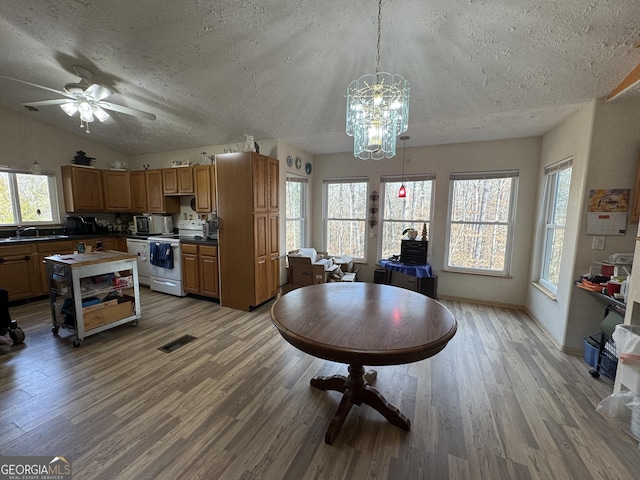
85 98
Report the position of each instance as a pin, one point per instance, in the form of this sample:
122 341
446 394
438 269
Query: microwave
152 224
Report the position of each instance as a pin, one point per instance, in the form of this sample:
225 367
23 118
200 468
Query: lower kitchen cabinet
200 269
19 273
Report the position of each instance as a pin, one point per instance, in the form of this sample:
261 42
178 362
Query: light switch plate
597 243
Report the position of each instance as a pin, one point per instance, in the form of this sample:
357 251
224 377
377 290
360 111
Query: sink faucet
22 230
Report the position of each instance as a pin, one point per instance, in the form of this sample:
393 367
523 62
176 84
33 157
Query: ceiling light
87 109
377 110
36 168
402 193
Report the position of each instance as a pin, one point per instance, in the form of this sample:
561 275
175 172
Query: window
27 198
481 215
345 217
295 212
400 213
556 202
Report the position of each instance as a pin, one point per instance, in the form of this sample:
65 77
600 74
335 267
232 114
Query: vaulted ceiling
214 70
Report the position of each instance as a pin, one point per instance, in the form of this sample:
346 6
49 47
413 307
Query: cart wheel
134 323
55 330
76 342
594 373
17 335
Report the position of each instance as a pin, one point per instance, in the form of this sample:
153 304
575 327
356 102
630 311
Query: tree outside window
345 217
556 203
399 214
481 213
27 198
296 195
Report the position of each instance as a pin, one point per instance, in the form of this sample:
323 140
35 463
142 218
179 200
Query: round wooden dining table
362 324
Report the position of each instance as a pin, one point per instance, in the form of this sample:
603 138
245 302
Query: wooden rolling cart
93 292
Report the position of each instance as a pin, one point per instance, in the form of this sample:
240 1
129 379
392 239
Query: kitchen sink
32 239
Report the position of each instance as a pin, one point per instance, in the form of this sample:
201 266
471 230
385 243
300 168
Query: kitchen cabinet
46 249
138 191
156 201
178 181
248 237
205 187
117 191
92 292
19 271
82 189
200 269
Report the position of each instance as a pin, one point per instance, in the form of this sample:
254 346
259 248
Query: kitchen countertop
58 237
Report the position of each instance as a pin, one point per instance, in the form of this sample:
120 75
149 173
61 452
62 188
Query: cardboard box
107 312
309 270
345 262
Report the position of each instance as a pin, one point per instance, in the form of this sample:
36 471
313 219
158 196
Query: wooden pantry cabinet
248 236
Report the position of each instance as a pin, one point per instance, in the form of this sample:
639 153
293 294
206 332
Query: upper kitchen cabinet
205 185
248 236
82 189
156 201
178 181
138 191
117 190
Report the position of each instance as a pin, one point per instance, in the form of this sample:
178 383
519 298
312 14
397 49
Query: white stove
166 275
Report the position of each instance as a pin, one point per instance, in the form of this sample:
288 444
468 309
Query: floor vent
176 344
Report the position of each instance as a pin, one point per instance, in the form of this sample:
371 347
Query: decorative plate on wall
290 161
298 163
308 168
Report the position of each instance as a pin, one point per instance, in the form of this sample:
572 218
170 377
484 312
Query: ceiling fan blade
59 92
97 92
44 103
629 82
127 110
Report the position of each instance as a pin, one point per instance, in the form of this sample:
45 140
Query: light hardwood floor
499 402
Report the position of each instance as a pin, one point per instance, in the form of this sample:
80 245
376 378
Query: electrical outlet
597 243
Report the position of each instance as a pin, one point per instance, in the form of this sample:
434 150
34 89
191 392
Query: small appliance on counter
78 224
212 226
152 224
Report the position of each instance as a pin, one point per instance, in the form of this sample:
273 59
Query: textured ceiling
214 70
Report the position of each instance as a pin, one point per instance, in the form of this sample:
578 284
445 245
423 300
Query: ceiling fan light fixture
86 111
69 108
377 110
100 113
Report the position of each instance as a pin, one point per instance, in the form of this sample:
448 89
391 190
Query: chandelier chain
378 45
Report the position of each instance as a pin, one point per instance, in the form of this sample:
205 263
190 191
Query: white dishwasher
140 247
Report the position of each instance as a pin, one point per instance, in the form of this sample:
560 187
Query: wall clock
308 168
290 161
298 163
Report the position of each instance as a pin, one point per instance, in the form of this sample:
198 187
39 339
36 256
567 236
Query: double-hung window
557 181
296 207
398 214
345 216
481 219
27 198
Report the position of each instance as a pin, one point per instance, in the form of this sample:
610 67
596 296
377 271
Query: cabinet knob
27 257
1 260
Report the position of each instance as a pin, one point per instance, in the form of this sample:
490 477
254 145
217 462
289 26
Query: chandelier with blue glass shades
377 110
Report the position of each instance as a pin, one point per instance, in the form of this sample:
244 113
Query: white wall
522 154
572 138
613 159
604 142
24 139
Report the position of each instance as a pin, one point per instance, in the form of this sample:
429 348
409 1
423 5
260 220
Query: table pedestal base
356 390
